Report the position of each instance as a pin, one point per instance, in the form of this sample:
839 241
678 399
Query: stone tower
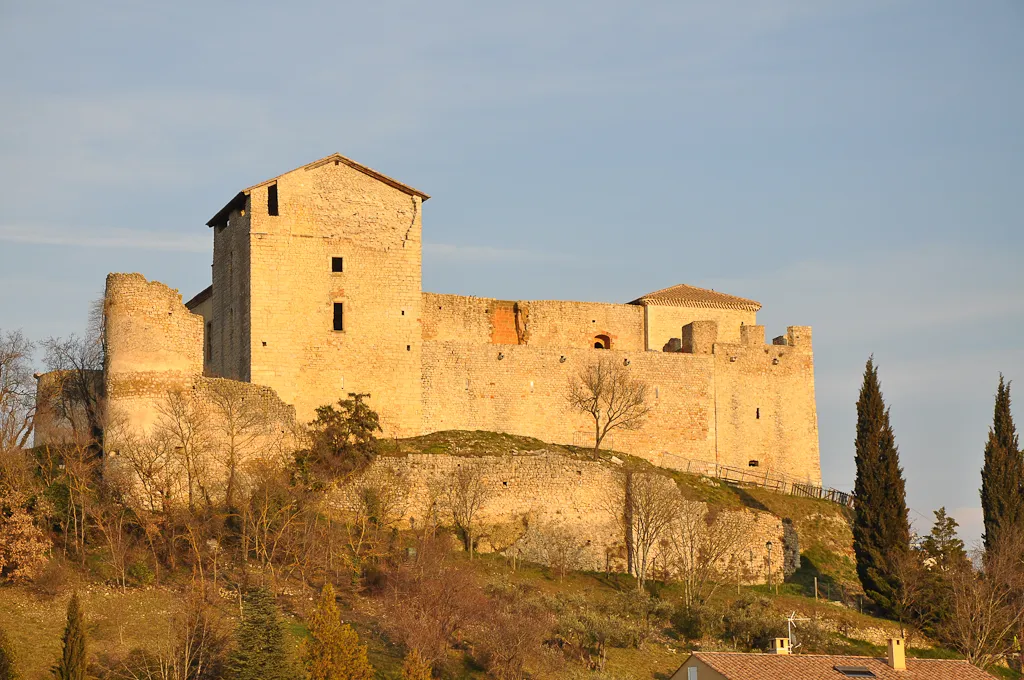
317 290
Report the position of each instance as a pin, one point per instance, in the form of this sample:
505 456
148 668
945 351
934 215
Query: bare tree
607 392
184 425
17 391
555 545
17 407
77 396
699 546
650 504
242 426
464 493
987 604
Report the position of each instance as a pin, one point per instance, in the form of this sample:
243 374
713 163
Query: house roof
683 295
200 297
738 666
239 200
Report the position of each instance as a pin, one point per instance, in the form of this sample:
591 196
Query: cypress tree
881 529
259 652
1002 477
72 663
8 662
333 651
415 667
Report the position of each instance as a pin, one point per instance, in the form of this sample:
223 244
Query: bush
23 545
752 623
698 622
344 440
140 573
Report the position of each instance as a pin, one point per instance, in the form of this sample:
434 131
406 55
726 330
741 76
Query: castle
316 292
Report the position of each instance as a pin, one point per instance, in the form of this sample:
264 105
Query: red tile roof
691 296
738 666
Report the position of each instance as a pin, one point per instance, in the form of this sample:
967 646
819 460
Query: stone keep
316 292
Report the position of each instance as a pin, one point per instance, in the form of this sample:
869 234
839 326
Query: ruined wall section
152 344
522 390
537 323
231 323
325 211
766 405
539 492
664 322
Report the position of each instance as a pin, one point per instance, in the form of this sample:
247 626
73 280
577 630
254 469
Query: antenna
791 622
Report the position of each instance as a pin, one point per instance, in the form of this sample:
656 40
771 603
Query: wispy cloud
446 252
105 237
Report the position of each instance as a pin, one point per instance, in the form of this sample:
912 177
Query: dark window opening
855 671
753 463
272 200
337 265
339 316
602 342
403 312
408 348
757 413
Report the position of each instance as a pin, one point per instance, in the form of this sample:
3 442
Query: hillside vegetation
490 616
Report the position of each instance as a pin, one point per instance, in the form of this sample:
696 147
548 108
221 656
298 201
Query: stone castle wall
743 403
663 322
468 387
537 323
541 491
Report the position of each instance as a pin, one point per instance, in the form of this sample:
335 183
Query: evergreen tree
943 549
72 663
259 652
333 651
415 667
881 530
8 662
1002 477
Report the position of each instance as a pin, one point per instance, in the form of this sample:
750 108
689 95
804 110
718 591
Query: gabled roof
238 201
200 297
691 296
738 666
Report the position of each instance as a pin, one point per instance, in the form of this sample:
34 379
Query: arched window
602 342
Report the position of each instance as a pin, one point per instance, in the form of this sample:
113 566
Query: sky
854 166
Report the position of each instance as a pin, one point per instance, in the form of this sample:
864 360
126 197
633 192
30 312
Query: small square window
337 265
339 316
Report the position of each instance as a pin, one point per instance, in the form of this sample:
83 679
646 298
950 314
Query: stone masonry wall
538 323
766 406
665 322
332 210
540 490
231 326
468 387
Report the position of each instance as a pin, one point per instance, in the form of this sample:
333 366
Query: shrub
751 622
698 622
23 545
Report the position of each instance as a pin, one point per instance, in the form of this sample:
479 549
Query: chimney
780 646
897 655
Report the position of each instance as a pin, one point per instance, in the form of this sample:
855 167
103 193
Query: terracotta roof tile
737 666
691 296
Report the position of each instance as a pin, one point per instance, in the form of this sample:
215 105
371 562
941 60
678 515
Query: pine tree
8 661
72 663
881 530
259 652
942 548
415 667
1002 477
333 651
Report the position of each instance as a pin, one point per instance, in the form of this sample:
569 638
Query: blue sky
855 166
